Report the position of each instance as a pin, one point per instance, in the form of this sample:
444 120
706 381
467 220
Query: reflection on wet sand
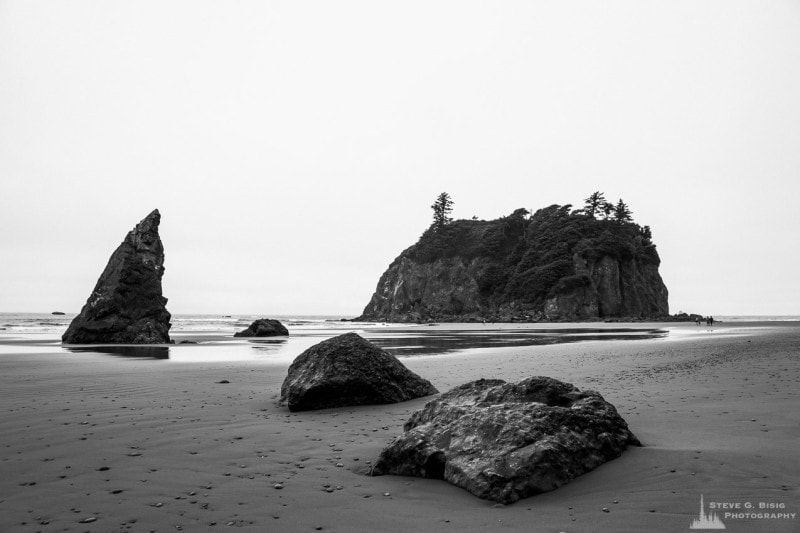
444 341
268 345
147 352
399 342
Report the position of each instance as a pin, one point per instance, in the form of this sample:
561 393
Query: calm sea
210 337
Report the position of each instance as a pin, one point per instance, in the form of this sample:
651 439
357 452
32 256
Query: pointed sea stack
126 305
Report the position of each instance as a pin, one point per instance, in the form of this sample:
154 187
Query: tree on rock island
442 208
594 204
622 212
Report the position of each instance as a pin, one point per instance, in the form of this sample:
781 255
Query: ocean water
210 337
24 323
758 318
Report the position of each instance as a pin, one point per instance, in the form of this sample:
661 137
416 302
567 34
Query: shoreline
717 413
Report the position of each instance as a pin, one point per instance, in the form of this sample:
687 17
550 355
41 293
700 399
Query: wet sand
94 442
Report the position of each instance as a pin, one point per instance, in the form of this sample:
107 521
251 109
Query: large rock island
558 264
126 305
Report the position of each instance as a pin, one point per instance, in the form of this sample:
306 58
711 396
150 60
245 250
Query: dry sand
100 443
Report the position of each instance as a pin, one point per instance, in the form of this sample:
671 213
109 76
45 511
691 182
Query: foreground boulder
264 327
349 370
505 441
126 305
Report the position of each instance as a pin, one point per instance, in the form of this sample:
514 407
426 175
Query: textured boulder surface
126 306
556 265
349 370
264 327
505 441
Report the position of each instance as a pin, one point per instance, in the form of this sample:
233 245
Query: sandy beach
96 442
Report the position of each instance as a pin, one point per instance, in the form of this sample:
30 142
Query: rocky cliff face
617 288
126 305
409 291
555 267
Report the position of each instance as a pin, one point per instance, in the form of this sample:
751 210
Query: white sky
294 148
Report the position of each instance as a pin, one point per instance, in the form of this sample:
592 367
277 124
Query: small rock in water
606 510
88 520
223 381
264 327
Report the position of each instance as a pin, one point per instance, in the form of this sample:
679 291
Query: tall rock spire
126 305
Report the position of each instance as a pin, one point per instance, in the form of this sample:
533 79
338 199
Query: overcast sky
294 148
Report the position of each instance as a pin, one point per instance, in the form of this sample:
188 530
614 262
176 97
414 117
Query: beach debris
349 370
126 305
264 327
506 441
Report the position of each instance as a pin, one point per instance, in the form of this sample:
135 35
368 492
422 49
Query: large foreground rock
349 370
506 441
126 305
264 327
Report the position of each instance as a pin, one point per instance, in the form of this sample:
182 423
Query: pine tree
594 204
622 213
442 208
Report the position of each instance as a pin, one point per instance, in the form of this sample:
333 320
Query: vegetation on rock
526 260
532 255
442 208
